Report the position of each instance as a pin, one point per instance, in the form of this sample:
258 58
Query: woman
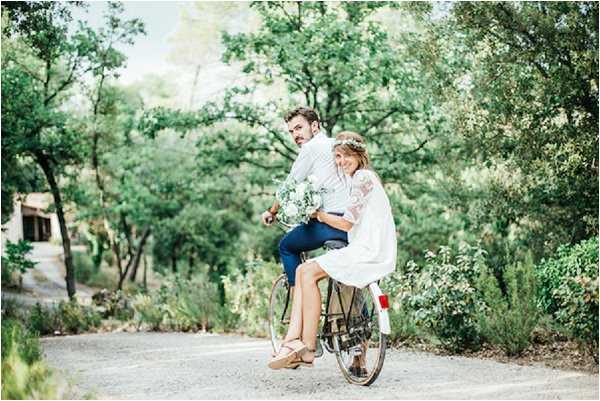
369 256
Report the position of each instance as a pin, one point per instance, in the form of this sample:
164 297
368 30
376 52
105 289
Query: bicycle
356 331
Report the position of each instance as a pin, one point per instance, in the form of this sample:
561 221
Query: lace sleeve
362 186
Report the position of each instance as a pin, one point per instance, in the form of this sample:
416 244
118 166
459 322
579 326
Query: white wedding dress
371 251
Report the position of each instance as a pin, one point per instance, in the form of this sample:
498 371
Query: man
315 158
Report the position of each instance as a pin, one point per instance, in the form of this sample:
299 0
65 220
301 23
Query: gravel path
201 366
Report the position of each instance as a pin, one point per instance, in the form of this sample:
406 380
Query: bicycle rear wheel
360 348
280 306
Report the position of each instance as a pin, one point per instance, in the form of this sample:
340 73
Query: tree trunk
66 241
145 282
174 261
190 265
138 254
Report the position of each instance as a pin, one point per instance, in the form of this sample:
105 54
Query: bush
66 317
76 318
84 267
443 295
15 262
403 324
569 262
248 295
113 304
24 381
179 304
509 321
569 290
147 311
12 309
42 320
25 343
190 303
24 375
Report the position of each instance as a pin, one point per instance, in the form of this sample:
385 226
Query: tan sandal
297 349
301 362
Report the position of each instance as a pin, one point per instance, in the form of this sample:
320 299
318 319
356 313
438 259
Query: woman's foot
289 351
306 359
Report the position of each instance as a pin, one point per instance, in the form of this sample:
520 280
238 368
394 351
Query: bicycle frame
343 330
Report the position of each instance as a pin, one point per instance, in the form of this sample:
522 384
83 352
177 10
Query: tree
42 61
340 60
531 115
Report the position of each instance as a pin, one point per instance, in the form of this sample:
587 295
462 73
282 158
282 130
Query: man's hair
305 112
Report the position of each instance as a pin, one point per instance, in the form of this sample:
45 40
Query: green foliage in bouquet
298 200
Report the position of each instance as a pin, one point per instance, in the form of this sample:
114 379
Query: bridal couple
355 209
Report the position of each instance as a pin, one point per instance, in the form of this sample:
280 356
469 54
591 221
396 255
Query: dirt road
200 366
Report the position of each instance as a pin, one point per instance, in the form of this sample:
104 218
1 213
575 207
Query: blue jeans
305 237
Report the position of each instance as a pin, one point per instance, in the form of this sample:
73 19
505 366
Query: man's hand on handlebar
268 218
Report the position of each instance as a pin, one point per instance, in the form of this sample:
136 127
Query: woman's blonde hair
352 144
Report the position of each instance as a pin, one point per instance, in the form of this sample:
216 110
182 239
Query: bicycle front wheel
360 347
280 306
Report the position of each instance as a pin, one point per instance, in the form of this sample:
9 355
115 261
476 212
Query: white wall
13 229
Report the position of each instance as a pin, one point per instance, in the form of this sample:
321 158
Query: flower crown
351 142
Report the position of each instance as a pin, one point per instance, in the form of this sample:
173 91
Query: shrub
190 303
403 324
569 262
402 320
570 290
147 311
12 309
84 267
179 304
23 381
66 317
24 375
15 262
443 295
42 320
26 344
248 295
113 304
509 321
76 318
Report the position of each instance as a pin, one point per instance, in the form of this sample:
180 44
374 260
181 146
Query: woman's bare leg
311 302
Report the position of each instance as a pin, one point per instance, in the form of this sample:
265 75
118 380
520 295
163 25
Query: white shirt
316 158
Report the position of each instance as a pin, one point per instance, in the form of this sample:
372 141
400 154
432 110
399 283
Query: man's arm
301 169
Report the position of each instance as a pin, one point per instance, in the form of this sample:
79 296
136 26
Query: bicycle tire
277 325
342 354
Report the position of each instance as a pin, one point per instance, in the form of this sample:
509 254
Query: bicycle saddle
335 244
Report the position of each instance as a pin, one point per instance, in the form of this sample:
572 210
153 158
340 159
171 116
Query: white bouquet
298 200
